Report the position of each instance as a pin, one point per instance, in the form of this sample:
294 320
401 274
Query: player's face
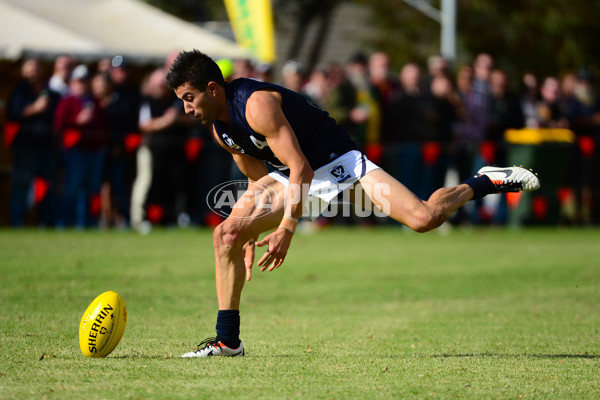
199 104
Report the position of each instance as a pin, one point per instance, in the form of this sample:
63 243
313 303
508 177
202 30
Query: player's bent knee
227 235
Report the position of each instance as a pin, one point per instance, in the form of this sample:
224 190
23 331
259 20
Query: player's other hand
248 250
278 243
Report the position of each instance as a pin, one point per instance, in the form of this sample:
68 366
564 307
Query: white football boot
211 347
511 179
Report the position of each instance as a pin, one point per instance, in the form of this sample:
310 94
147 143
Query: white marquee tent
91 29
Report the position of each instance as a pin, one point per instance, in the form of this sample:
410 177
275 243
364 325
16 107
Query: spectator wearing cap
30 110
83 126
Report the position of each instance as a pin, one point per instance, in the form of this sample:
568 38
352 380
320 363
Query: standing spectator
124 137
366 116
102 91
436 152
416 151
30 109
506 113
403 152
385 87
82 122
585 121
471 151
59 81
478 107
160 158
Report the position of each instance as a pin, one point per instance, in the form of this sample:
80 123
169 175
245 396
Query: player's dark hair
195 68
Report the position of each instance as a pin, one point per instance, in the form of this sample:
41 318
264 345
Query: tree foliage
541 36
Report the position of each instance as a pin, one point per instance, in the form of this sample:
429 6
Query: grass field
353 314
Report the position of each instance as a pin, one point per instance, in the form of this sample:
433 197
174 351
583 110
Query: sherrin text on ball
102 325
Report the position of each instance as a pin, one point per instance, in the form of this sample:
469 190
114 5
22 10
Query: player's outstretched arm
265 116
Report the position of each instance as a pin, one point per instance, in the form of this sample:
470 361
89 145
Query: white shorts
331 180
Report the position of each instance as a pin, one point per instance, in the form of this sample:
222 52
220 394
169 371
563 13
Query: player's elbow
423 220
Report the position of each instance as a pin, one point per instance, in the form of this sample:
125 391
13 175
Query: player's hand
248 250
279 243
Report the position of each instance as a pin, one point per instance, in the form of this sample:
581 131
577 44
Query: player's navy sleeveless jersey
320 138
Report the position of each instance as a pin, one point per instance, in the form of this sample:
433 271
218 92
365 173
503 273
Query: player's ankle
228 328
481 185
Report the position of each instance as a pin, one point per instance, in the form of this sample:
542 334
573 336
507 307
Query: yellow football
102 325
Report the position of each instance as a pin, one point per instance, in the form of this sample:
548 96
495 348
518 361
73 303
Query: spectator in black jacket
30 110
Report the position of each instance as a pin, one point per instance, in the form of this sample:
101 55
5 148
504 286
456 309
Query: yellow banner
535 136
252 23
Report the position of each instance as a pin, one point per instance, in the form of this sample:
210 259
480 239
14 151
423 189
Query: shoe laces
210 341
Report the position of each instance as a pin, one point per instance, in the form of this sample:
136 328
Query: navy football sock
482 186
228 328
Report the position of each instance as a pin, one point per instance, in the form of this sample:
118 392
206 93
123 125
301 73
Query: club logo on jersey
260 144
229 142
339 173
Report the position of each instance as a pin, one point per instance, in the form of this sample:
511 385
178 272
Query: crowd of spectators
89 147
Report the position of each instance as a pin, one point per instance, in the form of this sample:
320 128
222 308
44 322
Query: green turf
353 314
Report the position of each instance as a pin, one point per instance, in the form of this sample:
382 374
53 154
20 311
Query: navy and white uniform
320 138
330 151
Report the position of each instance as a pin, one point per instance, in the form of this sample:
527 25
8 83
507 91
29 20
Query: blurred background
430 90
